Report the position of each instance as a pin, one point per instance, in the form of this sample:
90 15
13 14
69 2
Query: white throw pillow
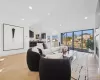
34 49
53 49
54 56
40 46
47 51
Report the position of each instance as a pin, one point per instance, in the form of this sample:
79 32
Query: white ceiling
61 12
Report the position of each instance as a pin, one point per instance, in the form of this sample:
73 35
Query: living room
49 28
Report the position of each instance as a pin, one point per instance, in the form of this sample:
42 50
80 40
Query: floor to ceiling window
69 39
63 38
78 40
87 35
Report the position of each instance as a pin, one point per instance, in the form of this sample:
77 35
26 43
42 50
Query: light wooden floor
15 68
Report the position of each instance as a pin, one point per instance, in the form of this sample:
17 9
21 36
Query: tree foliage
90 44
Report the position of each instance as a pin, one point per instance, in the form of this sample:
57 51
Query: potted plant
90 45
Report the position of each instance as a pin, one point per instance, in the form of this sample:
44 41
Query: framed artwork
43 36
13 37
37 36
31 34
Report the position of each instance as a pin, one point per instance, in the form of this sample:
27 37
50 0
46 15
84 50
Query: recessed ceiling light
60 25
23 19
30 7
86 18
49 14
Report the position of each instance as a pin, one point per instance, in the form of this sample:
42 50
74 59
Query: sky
78 33
55 37
69 34
88 31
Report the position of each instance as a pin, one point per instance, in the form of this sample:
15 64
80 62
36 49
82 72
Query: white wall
26 43
97 14
98 58
99 51
97 24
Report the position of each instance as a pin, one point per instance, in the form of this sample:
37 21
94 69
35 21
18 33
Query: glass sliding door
87 36
82 40
69 39
78 40
63 35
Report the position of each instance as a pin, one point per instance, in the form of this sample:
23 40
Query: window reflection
69 39
87 35
78 39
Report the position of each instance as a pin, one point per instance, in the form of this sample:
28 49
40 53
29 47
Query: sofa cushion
53 49
35 49
50 50
40 45
54 56
47 51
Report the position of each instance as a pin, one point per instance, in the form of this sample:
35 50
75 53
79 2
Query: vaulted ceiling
46 13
